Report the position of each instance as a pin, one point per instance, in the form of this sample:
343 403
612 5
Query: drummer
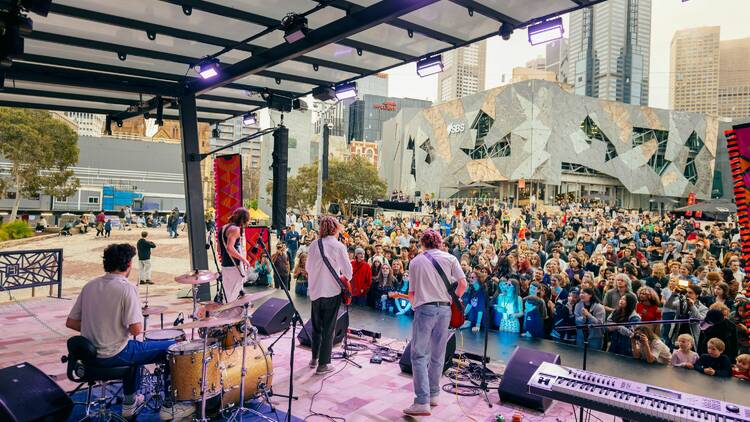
107 313
234 263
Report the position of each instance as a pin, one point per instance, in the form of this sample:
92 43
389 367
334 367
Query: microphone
179 320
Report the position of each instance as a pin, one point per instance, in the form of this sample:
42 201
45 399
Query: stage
35 333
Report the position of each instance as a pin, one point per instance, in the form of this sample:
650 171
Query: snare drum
228 335
186 367
168 334
259 369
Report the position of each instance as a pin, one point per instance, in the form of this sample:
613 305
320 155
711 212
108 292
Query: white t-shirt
425 281
320 281
107 307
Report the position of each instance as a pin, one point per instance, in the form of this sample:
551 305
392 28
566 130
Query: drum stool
80 358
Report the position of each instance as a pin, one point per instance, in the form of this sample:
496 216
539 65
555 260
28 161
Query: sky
667 17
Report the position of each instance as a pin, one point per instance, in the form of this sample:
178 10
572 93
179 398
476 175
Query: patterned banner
738 144
228 189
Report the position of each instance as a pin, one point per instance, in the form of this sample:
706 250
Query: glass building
366 116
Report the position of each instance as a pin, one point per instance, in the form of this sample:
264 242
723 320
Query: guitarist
431 300
325 290
234 263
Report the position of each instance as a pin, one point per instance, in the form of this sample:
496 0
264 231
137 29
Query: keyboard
629 399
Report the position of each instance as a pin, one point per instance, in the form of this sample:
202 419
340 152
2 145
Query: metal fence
31 269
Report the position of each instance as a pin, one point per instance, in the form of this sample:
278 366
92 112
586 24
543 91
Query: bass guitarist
325 289
431 298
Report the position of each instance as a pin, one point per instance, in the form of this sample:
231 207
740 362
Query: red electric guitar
457 307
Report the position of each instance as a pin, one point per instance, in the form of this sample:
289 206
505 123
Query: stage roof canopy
118 57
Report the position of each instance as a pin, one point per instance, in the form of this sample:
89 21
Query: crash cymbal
208 323
196 277
247 299
153 310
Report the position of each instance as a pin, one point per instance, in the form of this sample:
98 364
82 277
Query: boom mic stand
616 324
296 318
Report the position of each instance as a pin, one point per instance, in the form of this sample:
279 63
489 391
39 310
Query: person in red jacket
361 278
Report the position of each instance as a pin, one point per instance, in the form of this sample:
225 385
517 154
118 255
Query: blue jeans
428 340
138 353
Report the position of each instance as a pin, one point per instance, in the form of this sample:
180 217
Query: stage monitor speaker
29 395
342 326
521 366
273 316
450 349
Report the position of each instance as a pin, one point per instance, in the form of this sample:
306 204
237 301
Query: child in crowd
715 362
742 369
684 356
108 228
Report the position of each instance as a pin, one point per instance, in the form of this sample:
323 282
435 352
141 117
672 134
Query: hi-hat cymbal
247 299
153 310
209 322
196 277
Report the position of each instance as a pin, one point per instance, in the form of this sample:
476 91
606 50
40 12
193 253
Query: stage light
118 122
209 68
249 119
506 30
215 132
295 27
430 66
323 93
347 90
546 31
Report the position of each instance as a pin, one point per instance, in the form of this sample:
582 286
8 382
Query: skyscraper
464 72
694 70
609 47
734 79
556 58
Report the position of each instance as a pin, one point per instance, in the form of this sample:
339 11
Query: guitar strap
328 264
447 283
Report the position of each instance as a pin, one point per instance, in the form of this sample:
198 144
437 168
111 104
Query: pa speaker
450 349
342 326
273 316
24 384
521 366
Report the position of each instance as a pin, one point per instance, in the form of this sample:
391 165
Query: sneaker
313 363
323 369
130 410
418 410
176 412
433 401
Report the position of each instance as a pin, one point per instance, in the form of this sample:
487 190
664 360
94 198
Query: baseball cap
713 317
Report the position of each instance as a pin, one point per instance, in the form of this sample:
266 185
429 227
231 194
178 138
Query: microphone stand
296 318
616 324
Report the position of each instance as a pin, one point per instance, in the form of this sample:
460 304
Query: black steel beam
229 12
140 73
488 12
77 109
362 20
154 54
400 23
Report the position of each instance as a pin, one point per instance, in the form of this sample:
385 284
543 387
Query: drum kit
225 362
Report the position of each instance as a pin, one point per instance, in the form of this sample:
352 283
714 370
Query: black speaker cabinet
29 395
450 349
521 366
273 316
342 325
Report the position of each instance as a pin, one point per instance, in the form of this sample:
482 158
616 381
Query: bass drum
259 373
186 369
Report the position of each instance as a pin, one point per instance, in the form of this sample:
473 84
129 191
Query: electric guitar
457 310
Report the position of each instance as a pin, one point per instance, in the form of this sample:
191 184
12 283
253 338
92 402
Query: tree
40 150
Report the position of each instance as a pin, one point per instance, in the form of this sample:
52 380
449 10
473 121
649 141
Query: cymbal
196 277
247 299
153 310
209 322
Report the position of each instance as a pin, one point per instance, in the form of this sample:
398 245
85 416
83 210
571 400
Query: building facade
734 79
556 58
694 70
367 150
89 124
535 140
464 72
609 50
367 115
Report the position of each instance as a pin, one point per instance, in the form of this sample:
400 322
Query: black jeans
324 313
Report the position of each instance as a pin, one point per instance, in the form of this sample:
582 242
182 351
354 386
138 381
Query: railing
31 269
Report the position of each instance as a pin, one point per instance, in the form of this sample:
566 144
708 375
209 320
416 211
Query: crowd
542 270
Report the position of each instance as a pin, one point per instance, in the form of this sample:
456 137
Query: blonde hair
687 337
744 359
717 343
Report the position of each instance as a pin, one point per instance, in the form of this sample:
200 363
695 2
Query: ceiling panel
526 10
452 19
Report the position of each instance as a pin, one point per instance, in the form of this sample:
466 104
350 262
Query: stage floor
34 332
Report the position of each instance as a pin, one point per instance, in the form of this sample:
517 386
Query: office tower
89 124
539 63
367 115
694 70
609 47
464 72
556 58
734 79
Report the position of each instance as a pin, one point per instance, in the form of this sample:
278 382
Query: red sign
690 201
387 106
522 184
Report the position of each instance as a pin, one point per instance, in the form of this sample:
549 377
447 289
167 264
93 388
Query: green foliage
40 149
18 229
250 203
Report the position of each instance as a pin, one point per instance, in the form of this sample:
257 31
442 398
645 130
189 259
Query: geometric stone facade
535 131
